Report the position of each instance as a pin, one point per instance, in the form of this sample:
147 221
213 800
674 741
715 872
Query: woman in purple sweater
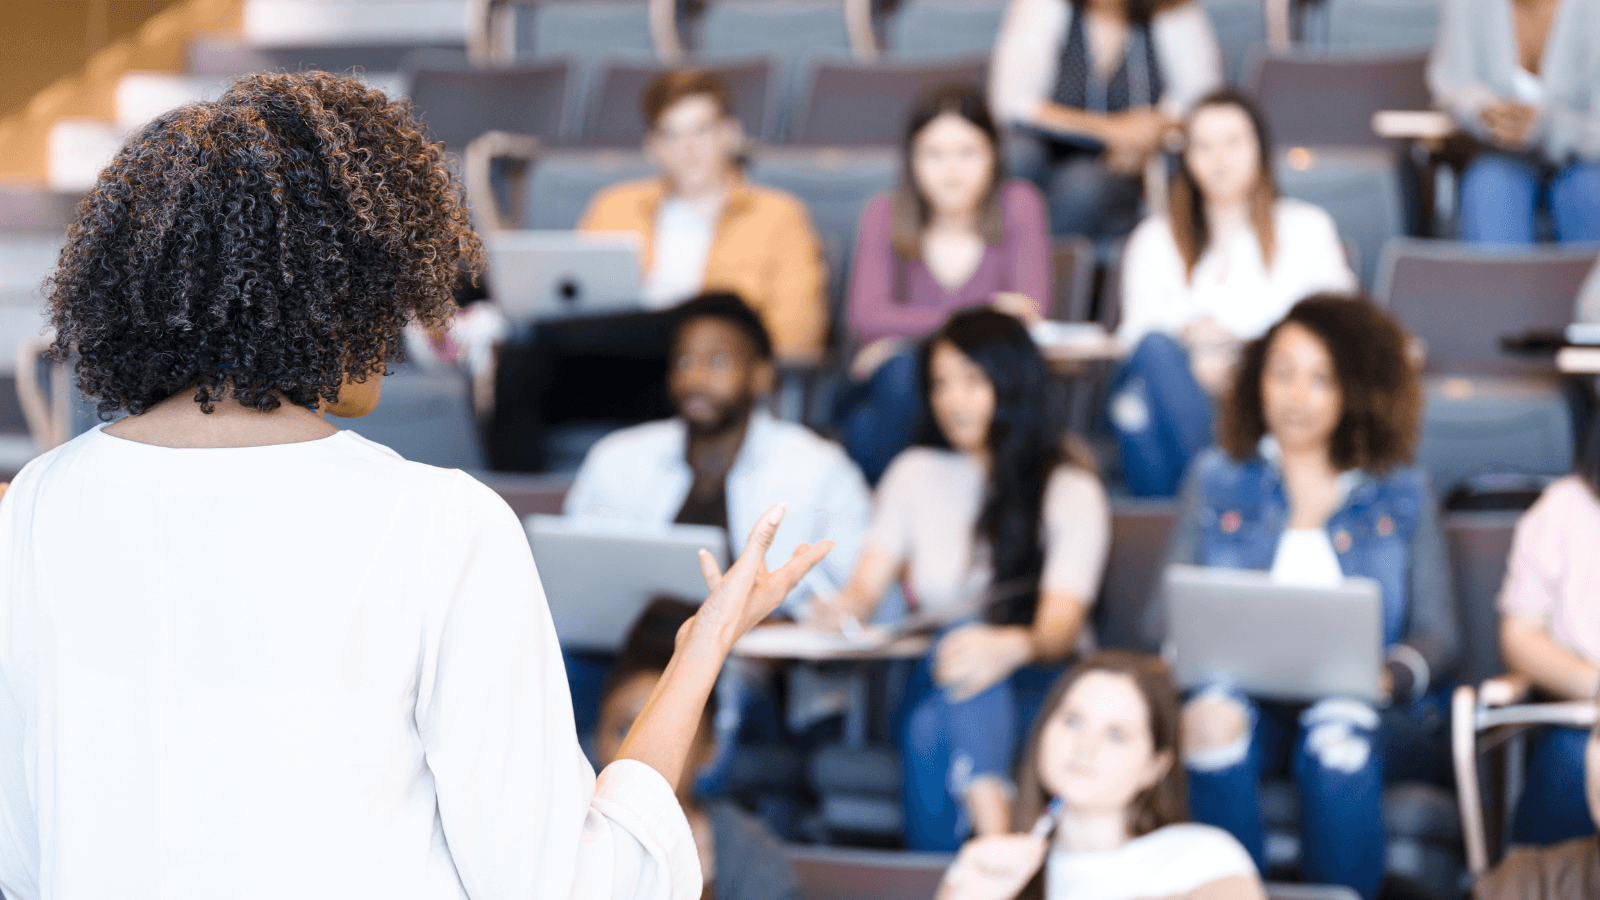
954 233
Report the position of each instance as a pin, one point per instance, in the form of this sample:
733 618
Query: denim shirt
1232 514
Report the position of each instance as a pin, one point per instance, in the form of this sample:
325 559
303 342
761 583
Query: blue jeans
1554 807
1161 416
880 418
1084 196
1501 195
945 745
1341 752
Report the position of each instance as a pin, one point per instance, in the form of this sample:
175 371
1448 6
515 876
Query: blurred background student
955 232
994 527
1550 635
1089 90
1107 745
739 858
1312 481
1225 262
1523 78
705 228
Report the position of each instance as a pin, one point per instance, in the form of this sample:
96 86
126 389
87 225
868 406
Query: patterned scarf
1137 81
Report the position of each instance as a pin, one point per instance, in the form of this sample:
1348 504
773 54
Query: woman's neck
178 421
1227 217
953 221
1307 462
1081 831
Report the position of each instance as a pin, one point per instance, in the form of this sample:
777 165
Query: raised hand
747 592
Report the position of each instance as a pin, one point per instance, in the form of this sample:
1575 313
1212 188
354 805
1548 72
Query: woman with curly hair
1313 482
246 654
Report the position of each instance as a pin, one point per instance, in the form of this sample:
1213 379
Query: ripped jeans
1342 749
945 745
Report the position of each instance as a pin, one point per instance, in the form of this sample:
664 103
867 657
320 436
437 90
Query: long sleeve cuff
640 800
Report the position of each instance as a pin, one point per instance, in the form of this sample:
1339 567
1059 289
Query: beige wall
42 40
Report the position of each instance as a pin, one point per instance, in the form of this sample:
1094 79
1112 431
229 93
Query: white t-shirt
1305 557
1168 861
681 246
310 670
1231 281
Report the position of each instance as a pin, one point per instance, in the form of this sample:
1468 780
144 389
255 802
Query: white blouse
310 670
1232 282
1167 862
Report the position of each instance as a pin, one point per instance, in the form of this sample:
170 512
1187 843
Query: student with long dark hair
246 654
954 232
1313 482
1003 535
1106 746
1226 261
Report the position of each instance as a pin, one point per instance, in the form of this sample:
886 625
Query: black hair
264 246
650 643
1026 443
726 306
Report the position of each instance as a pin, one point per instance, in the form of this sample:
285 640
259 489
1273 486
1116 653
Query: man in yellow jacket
706 228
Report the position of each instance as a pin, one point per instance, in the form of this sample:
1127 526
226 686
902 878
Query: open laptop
537 275
598 574
1267 639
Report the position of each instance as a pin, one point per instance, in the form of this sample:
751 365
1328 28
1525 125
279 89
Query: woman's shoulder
1021 196
1184 14
877 214
916 467
1564 499
1075 485
1152 235
1294 216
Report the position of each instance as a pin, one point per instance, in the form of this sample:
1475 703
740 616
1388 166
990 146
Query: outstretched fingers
710 570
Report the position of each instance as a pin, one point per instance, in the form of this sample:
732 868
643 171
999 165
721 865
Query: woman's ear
1160 764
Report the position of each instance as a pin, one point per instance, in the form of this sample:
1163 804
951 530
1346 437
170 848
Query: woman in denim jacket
1312 482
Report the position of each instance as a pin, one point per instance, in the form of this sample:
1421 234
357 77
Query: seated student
722 460
1312 482
739 858
1550 634
953 233
998 532
1071 77
1567 871
1523 78
705 228
1106 744
1226 261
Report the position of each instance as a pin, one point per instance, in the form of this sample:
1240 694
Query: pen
1047 822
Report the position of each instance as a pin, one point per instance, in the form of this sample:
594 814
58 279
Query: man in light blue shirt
723 460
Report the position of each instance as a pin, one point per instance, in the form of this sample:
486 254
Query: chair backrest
1360 189
562 184
833 184
1480 543
460 102
213 55
1382 24
794 32
1139 531
583 28
613 118
1460 299
426 416
1240 26
854 105
828 873
945 29
1072 262
1317 99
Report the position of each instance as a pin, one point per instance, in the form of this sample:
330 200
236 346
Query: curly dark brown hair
1378 385
263 246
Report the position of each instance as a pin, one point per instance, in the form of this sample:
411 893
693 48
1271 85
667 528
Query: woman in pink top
1550 634
954 233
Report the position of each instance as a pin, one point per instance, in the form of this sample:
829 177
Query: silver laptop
1267 639
558 274
598 574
